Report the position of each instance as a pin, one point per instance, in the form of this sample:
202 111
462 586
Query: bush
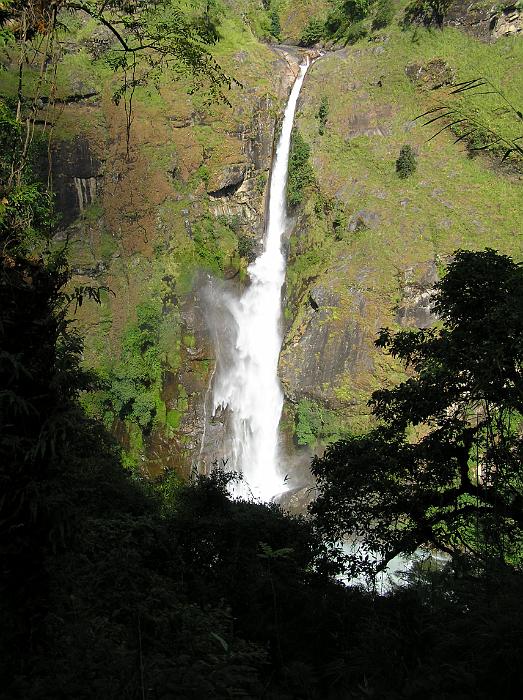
323 113
312 33
406 163
134 383
275 26
384 14
426 12
301 174
355 32
343 14
247 247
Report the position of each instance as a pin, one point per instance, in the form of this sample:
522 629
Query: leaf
221 640
447 126
440 116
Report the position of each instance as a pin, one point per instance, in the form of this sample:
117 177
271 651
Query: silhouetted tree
444 466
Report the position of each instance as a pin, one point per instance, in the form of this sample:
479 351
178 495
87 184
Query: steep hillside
187 200
367 245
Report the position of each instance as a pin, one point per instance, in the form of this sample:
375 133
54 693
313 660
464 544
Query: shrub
314 422
133 385
355 32
384 14
312 33
301 173
323 113
426 12
246 247
275 27
406 163
340 223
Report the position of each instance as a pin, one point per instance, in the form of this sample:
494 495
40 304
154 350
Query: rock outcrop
485 21
327 342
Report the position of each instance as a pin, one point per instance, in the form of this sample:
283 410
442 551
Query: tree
443 468
312 33
274 18
150 37
384 14
406 162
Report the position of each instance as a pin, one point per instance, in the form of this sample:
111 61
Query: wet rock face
238 189
415 309
325 346
76 174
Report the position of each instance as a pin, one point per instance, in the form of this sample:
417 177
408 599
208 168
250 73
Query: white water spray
247 382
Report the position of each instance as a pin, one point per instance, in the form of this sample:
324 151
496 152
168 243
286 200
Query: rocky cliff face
368 247
156 224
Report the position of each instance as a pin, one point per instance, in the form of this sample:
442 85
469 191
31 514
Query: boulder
227 181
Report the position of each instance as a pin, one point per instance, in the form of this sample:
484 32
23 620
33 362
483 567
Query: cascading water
246 381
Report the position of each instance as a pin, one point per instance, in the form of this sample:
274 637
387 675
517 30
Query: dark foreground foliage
115 588
444 466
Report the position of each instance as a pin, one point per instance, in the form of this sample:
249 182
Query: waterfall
249 342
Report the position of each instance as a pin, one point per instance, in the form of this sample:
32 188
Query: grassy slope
451 201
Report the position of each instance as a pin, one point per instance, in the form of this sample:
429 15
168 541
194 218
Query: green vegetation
496 127
274 18
342 16
384 14
312 33
317 424
426 12
323 115
214 243
406 163
301 174
443 468
26 210
135 381
247 247
355 32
